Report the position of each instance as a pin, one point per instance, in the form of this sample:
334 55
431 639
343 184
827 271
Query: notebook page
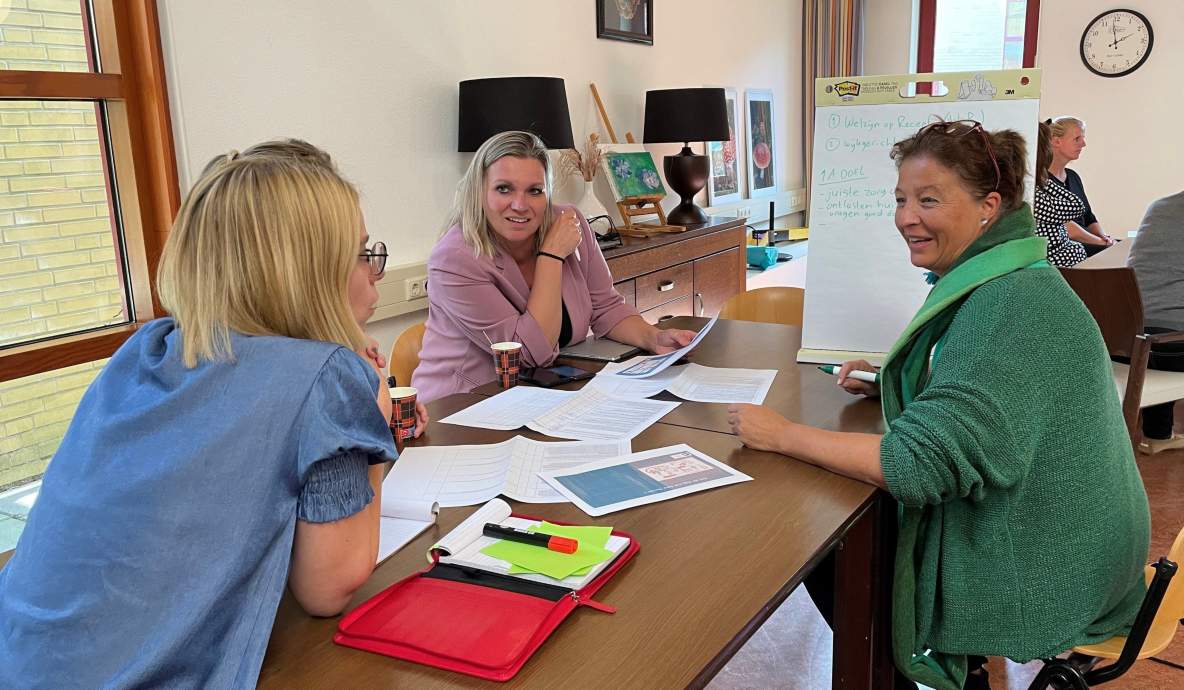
469 531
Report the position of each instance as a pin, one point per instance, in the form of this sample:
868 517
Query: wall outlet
416 288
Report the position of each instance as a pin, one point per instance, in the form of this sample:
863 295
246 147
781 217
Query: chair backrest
782 305
405 354
1172 607
1112 296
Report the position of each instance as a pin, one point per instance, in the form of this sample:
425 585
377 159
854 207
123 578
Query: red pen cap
563 544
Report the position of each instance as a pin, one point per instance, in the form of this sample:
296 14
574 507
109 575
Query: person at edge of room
1157 253
1067 136
224 452
1054 207
978 449
513 267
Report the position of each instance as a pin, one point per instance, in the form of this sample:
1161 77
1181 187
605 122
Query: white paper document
593 415
633 480
690 382
401 521
468 475
511 409
650 365
586 415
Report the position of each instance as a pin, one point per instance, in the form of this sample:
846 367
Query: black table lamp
686 115
502 104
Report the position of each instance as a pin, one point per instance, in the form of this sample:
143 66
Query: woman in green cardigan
1023 520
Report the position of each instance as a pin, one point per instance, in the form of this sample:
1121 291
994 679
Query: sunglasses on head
960 128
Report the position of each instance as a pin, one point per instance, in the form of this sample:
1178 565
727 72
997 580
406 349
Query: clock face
1117 42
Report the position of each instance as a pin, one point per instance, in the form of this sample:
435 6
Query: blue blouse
159 546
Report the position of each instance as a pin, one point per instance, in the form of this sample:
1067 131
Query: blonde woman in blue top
224 452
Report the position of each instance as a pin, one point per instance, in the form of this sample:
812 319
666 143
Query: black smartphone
548 377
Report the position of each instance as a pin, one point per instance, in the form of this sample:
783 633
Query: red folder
468 620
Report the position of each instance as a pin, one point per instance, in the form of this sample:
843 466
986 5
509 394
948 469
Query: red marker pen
560 544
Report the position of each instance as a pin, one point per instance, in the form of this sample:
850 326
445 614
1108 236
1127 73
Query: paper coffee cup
403 419
506 358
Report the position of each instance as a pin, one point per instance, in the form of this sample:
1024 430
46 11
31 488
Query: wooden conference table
712 567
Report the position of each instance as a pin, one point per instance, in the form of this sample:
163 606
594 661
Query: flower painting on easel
723 183
762 150
625 20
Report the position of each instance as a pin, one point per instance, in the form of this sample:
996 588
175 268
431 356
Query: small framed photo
724 183
625 20
762 147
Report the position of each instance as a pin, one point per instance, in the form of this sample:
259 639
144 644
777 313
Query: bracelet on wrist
558 258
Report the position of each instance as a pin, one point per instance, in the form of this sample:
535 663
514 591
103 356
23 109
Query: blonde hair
264 244
468 207
1059 126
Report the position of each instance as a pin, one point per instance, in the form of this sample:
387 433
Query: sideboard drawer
683 306
664 286
627 289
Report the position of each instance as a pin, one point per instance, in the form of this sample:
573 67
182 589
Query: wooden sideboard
689 273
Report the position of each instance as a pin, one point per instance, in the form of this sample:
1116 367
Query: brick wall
58 270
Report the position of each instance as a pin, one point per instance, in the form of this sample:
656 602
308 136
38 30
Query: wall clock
1116 43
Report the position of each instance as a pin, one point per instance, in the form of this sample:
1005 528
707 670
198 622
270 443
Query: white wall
888 25
1131 155
374 82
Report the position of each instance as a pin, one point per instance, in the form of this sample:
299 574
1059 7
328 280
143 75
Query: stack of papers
691 382
589 415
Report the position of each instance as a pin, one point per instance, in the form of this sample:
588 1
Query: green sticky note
537 559
591 535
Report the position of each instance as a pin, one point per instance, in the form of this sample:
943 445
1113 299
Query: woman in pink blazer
512 267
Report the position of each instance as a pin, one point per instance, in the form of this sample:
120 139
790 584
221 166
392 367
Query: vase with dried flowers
584 163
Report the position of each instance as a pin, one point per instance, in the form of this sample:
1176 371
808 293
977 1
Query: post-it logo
847 90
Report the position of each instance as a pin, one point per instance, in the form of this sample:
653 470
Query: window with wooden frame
88 190
968 35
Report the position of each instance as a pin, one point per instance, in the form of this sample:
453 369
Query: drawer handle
702 306
665 318
665 286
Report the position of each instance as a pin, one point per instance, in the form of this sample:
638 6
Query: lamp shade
685 115
502 104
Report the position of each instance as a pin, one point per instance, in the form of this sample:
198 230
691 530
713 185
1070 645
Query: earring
983 222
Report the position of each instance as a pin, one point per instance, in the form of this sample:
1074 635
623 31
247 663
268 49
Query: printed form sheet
593 415
691 382
586 415
468 475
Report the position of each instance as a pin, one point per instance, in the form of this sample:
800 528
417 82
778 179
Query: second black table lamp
500 104
685 115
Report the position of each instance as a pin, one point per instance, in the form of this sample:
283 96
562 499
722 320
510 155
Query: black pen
547 541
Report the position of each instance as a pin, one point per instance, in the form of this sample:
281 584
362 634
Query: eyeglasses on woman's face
375 257
960 128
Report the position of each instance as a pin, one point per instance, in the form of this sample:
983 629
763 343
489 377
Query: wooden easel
647 205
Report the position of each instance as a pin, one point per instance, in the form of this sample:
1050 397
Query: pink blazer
469 294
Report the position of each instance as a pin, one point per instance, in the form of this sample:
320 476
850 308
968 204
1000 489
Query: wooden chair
405 354
781 305
1154 627
1112 297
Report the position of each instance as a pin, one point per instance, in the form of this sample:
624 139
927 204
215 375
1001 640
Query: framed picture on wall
762 148
625 20
724 184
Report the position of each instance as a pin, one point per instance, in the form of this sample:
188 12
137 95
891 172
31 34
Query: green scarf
1008 245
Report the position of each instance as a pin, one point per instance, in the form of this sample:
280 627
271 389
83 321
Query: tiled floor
792 651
